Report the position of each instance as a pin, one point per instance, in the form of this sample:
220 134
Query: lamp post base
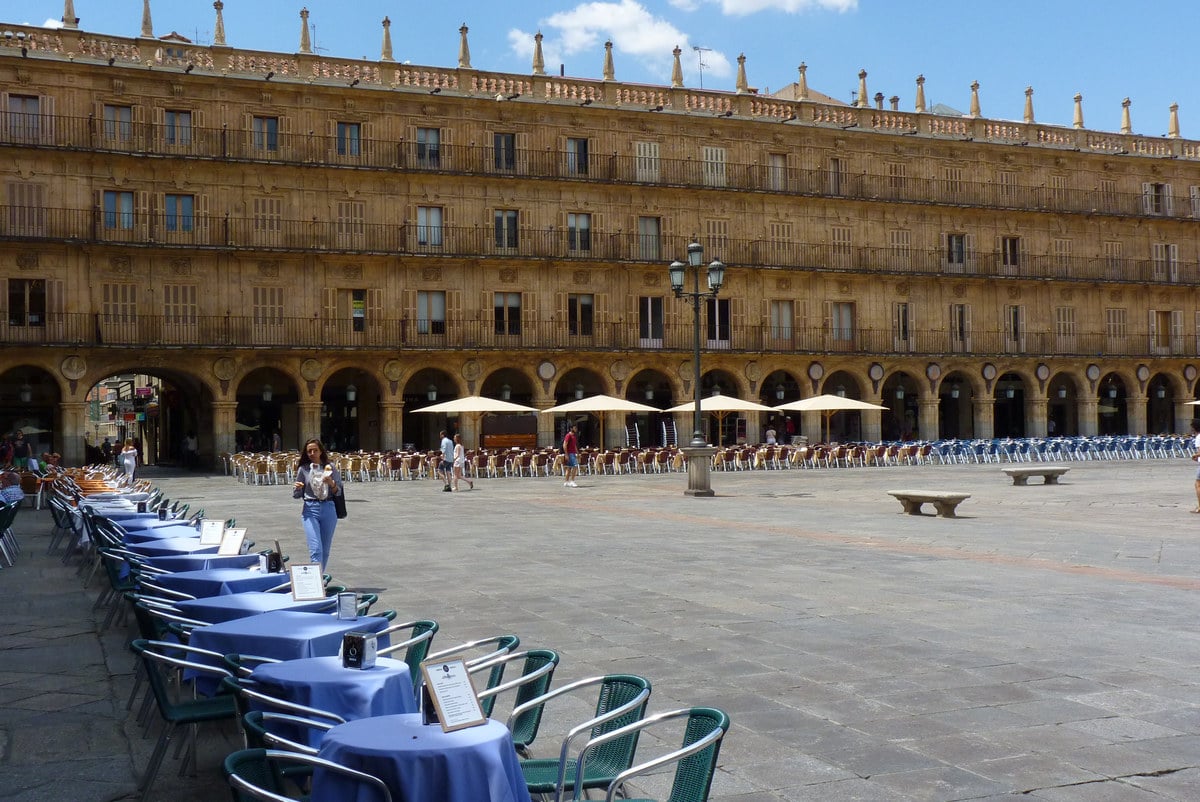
699 470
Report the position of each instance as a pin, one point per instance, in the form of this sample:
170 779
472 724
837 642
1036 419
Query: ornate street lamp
698 453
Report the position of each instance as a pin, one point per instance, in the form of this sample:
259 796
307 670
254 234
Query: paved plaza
1043 644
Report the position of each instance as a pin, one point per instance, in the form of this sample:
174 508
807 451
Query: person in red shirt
571 450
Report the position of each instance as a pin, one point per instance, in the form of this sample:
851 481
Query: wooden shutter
969 253
329 307
1153 328
1176 331
1168 200
143 220
1147 197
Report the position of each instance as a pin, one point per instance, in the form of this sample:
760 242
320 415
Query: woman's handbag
339 503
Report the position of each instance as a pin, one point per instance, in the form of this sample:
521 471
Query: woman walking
317 482
460 461
129 460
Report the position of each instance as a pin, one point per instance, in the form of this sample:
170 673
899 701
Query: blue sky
1105 50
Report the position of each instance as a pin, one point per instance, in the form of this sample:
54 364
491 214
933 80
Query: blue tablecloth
351 693
172 545
152 523
282 634
159 533
199 562
220 581
120 512
216 609
421 763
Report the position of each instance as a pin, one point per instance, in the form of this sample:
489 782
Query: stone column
224 419
1035 415
545 423
310 419
1088 425
985 417
391 432
1184 414
812 426
683 427
73 427
927 418
872 425
1135 413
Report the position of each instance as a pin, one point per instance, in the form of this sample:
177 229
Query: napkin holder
347 606
141 506
358 650
162 513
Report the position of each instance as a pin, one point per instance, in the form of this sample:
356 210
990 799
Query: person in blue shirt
10 488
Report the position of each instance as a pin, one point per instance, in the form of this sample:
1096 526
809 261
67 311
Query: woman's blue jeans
319 519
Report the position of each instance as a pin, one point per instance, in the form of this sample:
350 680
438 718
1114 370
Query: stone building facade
304 244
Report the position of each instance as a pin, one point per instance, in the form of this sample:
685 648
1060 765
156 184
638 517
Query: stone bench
942 501
1049 473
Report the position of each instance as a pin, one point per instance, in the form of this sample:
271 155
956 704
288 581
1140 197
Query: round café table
219 609
199 562
219 581
419 762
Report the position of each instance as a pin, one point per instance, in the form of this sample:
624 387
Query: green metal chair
621 700
160 659
416 646
537 671
695 759
254 774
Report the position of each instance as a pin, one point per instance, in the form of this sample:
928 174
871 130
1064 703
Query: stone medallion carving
685 371
581 277
472 370
311 369
902 289
352 272
393 369
783 284
960 291
268 269
651 279
546 370
121 264
431 273
1014 292
753 372
73 367
27 261
619 370
844 287
224 368
508 275
181 267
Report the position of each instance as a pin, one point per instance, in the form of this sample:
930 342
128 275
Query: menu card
231 542
211 530
448 686
307 582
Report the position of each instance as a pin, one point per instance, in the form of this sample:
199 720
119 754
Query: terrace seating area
527 463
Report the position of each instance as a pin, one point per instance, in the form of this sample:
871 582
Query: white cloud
52 23
684 5
633 30
521 43
741 8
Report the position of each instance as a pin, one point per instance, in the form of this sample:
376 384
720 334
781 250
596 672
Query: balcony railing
226 331
188 141
589 245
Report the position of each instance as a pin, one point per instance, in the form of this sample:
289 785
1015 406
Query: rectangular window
26 209
1014 328
714 166
646 161
1064 327
118 210
1157 199
1010 255
429 226
118 123
179 304
1194 194
579 232
505 223
716 238
267 215
25 117
265 133
26 302
118 303
1006 188
429 147
267 306
351 222
1114 253
650 239
177 127
504 147
577 156
902 335
899 248
836 178
431 312
960 328
952 180
1058 192
178 211
1166 331
580 317
1108 195
841 323
1061 249
349 139
779 243
1116 326
841 252
783 315
650 322
955 252
897 178
777 172
716 318
1165 261
508 312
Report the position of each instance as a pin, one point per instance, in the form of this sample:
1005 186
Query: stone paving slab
1041 646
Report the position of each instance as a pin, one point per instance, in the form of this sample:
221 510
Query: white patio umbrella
475 407
827 405
599 404
722 406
